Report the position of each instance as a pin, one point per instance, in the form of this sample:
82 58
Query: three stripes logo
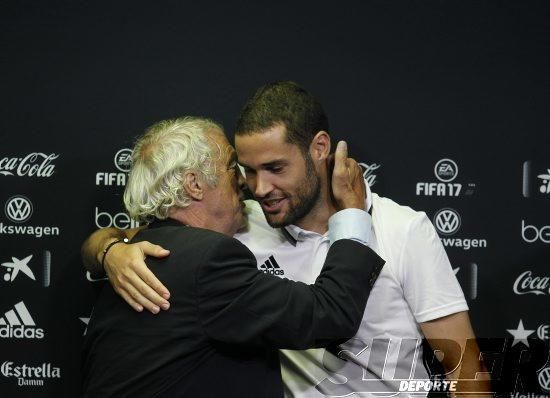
271 267
18 323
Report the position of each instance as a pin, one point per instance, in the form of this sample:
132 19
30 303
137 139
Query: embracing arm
239 304
92 248
138 286
130 277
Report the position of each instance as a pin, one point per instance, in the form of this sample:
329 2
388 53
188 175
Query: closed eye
275 169
247 170
232 166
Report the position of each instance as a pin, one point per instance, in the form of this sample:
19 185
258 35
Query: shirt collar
368 202
294 233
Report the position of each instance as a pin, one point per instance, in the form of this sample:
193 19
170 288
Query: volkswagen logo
447 221
544 379
18 209
123 160
446 170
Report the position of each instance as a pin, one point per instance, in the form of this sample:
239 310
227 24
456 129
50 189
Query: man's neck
198 216
317 218
189 216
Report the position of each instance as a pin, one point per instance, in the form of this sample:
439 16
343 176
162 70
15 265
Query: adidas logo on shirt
270 266
18 323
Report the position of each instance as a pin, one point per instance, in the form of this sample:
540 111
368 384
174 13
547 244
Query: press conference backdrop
445 104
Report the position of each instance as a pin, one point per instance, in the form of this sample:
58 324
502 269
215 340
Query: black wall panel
445 102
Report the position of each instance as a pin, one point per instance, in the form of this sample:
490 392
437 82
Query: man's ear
319 149
193 185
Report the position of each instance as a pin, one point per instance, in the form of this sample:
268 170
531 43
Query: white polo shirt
417 284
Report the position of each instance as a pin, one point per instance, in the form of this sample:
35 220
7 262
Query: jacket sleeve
239 304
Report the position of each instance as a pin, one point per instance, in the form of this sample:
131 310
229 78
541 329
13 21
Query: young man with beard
283 144
227 318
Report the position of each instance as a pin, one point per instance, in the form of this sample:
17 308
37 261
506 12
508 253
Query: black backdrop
446 102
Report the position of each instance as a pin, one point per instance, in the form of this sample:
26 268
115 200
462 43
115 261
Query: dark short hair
284 102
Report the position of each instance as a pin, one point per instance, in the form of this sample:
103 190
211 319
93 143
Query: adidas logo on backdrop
17 323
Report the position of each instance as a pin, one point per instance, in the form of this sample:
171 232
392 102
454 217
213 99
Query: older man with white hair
226 317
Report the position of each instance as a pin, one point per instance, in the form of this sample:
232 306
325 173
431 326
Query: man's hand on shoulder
131 278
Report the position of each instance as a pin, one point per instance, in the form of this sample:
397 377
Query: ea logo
446 170
447 221
18 209
543 332
123 159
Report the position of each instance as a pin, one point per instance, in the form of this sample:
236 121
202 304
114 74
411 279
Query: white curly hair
160 159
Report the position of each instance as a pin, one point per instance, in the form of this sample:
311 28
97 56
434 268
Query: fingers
356 179
340 157
144 281
347 170
136 299
134 304
161 292
145 296
137 293
348 189
149 249
355 171
131 278
362 179
152 250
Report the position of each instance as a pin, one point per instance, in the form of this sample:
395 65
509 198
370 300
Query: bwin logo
447 221
18 323
271 267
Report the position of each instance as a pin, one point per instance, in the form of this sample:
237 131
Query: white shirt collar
298 233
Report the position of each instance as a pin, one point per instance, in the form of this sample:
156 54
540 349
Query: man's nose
262 186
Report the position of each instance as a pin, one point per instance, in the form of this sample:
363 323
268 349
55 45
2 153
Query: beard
306 196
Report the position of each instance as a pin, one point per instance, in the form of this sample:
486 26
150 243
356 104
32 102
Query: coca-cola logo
526 283
35 164
369 172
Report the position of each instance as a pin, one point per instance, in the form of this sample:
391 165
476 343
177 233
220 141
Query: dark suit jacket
226 319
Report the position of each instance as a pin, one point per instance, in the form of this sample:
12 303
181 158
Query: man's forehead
266 141
268 155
